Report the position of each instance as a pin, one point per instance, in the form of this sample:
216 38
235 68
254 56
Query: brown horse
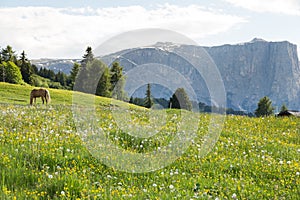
43 93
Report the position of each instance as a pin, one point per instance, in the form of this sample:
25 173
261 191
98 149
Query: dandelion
50 176
297 173
154 185
288 162
234 196
62 193
171 187
281 162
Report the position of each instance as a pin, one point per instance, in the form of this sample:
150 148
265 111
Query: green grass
43 157
20 95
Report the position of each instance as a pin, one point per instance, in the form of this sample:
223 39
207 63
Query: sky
63 29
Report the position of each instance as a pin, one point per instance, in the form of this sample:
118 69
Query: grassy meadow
44 157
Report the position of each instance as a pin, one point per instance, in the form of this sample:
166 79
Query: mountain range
249 71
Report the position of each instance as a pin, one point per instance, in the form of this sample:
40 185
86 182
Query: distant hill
63 65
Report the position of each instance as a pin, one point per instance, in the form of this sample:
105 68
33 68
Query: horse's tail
48 98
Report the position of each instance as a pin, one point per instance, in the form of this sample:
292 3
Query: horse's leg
42 99
31 100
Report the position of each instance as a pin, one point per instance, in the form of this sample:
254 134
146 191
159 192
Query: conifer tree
180 100
8 54
264 107
25 67
83 82
117 81
148 102
87 57
104 84
74 73
283 108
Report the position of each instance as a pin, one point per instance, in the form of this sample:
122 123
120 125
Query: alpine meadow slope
44 157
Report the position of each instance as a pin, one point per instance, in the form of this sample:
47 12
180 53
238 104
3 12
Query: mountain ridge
249 70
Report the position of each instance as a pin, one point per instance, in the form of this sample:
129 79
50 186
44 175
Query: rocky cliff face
256 69
249 71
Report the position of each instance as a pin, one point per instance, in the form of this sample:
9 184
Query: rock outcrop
249 71
256 69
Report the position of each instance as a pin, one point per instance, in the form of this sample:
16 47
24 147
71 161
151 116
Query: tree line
19 70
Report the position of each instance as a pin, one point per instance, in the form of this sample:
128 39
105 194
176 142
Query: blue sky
63 29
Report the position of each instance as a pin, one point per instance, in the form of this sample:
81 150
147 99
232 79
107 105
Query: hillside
54 152
19 94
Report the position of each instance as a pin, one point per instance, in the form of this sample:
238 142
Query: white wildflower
234 196
171 187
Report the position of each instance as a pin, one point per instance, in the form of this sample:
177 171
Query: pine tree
131 100
117 81
148 102
83 83
104 85
180 100
8 54
264 107
283 108
74 73
61 78
88 57
25 67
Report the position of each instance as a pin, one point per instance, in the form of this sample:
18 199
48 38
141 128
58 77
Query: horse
43 93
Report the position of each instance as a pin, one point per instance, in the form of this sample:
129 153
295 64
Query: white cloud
288 7
65 32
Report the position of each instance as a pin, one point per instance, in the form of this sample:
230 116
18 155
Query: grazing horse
43 93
